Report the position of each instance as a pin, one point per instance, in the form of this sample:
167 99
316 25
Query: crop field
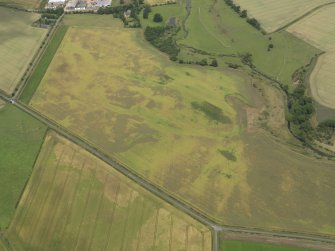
319 29
214 27
75 201
230 245
19 42
194 131
26 4
21 138
274 14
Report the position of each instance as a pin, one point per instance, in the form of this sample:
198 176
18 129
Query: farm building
104 3
98 3
52 4
71 5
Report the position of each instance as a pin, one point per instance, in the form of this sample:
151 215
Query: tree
158 18
244 14
214 63
146 12
254 22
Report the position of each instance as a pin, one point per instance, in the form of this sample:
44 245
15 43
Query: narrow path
209 32
157 191
301 17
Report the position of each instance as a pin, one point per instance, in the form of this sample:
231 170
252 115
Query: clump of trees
49 17
300 112
163 38
325 132
119 12
158 18
243 14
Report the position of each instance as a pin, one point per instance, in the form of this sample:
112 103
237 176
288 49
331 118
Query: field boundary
23 89
284 27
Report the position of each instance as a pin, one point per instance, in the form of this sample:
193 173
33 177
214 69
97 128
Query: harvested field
25 4
75 201
274 14
19 43
318 29
214 27
20 140
194 131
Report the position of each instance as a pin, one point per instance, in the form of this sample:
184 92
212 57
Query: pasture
318 29
214 27
19 43
194 131
75 201
167 11
273 14
24 4
232 245
21 138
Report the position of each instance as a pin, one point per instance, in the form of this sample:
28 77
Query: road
215 228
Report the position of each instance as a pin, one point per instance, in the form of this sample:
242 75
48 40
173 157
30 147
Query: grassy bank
231 245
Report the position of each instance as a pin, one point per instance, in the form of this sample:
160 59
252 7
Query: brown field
274 14
194 131
318 29
75 201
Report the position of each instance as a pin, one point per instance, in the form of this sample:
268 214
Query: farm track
199 216
301 17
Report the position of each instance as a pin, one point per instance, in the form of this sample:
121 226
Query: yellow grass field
19 43
75 201
274 14
319 30
194 131
26 4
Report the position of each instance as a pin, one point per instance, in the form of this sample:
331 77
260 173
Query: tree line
243 14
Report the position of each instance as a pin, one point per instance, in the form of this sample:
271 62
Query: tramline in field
274 14
74 201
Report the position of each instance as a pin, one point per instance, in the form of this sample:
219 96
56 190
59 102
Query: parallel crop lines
49 213
80 205
275 14
38 214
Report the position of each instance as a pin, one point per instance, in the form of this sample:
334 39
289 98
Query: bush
214 63
254 22
158 18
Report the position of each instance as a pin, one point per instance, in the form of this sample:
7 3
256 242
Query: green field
21 138
75 201
318 29
230 245
275 14
172 10
25 4
19 43
215 27
194 131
